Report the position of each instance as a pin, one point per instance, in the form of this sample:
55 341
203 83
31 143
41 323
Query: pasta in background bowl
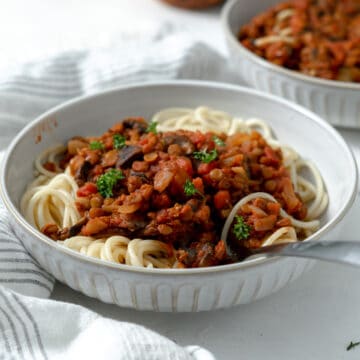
144 286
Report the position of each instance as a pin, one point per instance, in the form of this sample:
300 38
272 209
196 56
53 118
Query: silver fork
344 252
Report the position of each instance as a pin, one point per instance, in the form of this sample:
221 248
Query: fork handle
344 252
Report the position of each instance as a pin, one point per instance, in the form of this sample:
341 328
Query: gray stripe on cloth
51 84
4 337
18 251
15 314
12 242
18 270
18 346
33 323
12 260
26 281
29 271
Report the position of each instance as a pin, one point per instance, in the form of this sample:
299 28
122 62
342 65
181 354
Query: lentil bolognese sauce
192 188
319 38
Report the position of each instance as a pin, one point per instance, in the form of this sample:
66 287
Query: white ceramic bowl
336 101
181 289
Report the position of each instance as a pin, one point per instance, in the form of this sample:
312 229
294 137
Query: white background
313 318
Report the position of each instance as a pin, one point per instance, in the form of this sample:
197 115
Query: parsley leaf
96 145
152 127
204 156
118 141
107 181
352 345
218 141
190 189
241 228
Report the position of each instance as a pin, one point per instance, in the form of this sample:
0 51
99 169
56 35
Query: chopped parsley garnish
118 141
107 181
204 156
218 141
152 127
96 145
190 189
352 345
241 228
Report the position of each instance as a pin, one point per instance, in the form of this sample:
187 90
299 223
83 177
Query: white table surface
313 318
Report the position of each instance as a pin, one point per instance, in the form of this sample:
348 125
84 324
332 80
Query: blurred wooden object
194 4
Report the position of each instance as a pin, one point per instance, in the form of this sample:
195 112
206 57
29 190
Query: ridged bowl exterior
336 102
176 290
208 291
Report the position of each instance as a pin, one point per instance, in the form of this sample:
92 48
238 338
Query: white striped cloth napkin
30 328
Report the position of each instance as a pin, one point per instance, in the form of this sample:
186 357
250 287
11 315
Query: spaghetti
172 185
120 249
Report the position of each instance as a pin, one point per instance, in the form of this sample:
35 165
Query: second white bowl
336 101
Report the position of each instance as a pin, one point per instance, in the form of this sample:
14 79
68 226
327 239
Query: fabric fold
31 328
33 88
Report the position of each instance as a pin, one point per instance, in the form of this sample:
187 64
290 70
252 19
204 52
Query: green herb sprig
241 228
152 127
96 145
118 141
352 345
218 141
204 156
190 189
107 181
